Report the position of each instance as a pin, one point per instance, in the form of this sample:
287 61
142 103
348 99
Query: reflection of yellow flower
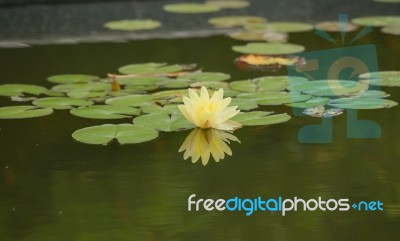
201 143
206 112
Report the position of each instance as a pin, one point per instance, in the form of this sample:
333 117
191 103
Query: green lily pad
169 94
21 112
382 78
377 21
190 8
205 76
244 104
21 89
275 98
150 68
174 83
216 85
264 84
260 118
164 121
72 78
123 133
105 112
313 102
130 100
61 103
135 89
54 93
332 88
129 25
143 81
84 87
392 29
335 26
374 94
259 36
232 4
268 48
280 27
362 103
153 108
235 21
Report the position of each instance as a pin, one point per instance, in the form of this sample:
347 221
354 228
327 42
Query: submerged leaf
124 133
21 112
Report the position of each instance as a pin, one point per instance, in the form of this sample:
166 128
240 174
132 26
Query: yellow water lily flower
206 112
201 144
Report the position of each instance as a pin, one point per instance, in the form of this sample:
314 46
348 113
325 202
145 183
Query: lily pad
164 121
260 118
335 26
174 83
72 78
377 21
382 78
235 21
84 87
362 103
259 36
143 81
105 112
232 4
244 104
275 98
263 84
153 108
216 85
169 94
123 133
332 88
374 94
150 68
268 48
130 100
21 112
280 27
61 103
21 89
129 25
313 102
205 76
391 29
190 8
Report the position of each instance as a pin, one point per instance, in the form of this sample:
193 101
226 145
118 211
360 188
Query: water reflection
201 144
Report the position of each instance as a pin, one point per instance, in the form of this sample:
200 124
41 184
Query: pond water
54 188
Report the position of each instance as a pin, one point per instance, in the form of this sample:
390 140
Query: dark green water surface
55 189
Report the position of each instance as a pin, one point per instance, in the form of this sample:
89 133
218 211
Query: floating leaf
248 36
262 60
205 76
124 133
313 102
54 93
72 78
153 108
164 121
377 21
362 103
280 27
105 112
259 118
329 87
235 21
391 29
174 83
382 78
211 85
137 24
268 48
263 84
20 89
335 26
319 111
190 8
228 4
21 112
135 89
143 81
244 104
130 100
84 87
374 94
150 68
61 103
22 99
275 98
